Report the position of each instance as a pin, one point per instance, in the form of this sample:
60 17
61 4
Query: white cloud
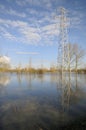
52 29
28 34
39 3
6 34
15 13
21 3
44 28
76 18
32 11
9 36
5 59
10 11
49 27
28 53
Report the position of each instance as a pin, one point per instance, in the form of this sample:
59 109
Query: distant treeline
39 70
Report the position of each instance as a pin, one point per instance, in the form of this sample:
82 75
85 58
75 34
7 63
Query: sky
29 29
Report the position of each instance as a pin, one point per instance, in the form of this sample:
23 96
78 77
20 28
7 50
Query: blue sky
30 29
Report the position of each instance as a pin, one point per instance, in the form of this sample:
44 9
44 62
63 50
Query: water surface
41 102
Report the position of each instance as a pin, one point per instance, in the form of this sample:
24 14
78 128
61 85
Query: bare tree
79 55
73 56
69 56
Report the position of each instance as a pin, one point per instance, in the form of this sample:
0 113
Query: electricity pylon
63 38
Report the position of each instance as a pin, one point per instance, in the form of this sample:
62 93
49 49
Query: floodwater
41 102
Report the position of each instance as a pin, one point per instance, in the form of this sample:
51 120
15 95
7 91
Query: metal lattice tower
63 38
